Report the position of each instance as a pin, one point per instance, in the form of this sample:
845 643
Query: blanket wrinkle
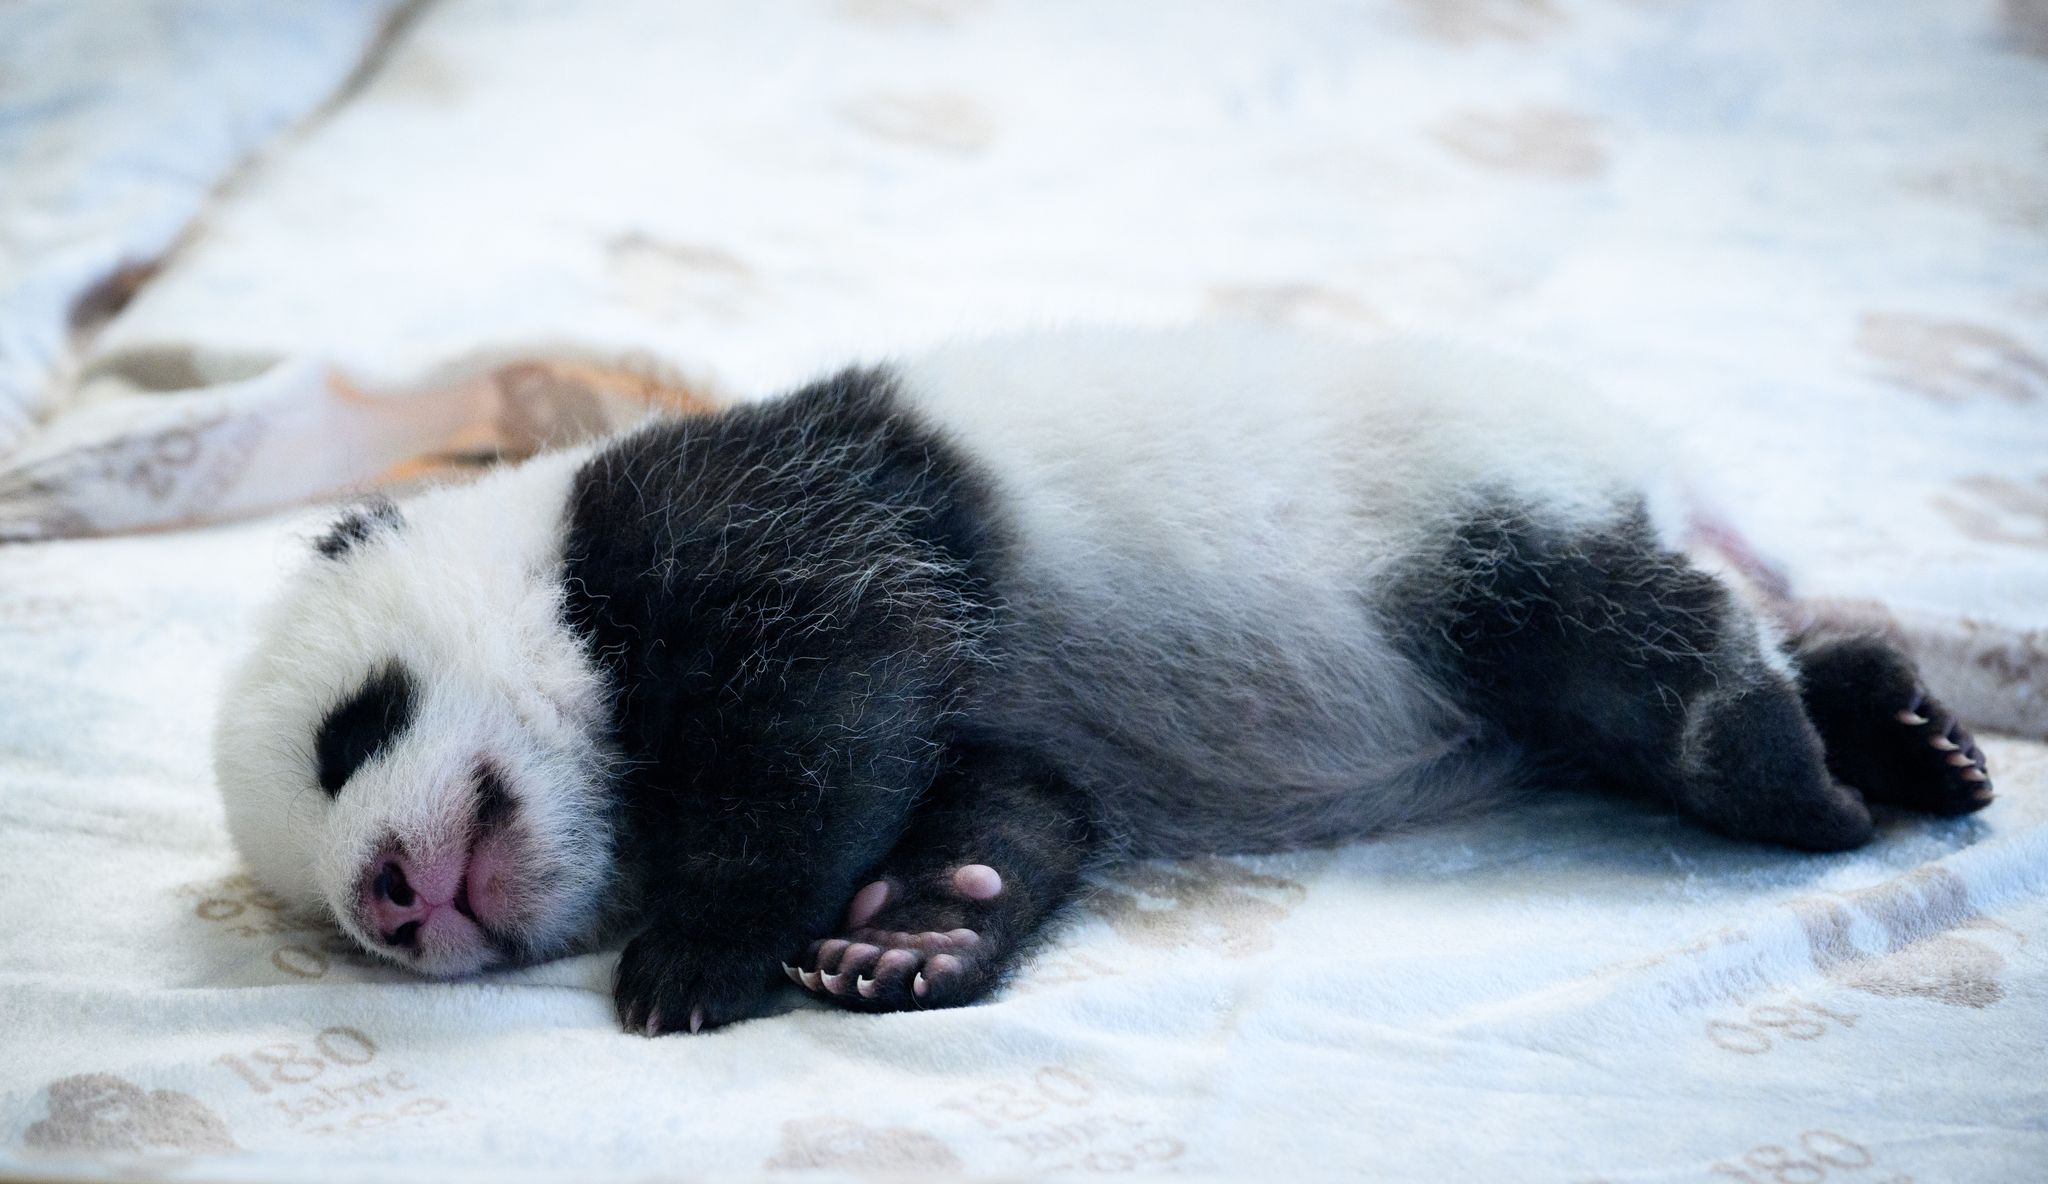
121 128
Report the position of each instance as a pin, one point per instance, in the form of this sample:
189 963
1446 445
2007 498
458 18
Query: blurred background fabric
119 121
258 255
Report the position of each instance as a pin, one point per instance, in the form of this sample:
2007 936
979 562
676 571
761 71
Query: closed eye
363 725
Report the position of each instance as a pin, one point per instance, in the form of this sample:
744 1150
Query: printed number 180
283 1064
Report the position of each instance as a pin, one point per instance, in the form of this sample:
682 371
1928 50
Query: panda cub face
414 743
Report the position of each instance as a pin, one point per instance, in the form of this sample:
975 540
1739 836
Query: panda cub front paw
666 984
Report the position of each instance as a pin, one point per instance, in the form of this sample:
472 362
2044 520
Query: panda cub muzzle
454 901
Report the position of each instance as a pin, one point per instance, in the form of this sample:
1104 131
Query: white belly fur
1204 524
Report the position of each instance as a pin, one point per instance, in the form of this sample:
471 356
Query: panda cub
853 684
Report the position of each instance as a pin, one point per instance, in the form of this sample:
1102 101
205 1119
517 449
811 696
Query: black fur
1613 659
376 513
789 601
494 802
362 725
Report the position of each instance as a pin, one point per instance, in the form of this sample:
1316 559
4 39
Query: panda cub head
415 744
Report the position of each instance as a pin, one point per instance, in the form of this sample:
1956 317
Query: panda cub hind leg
995 848
1617 661
1884 733
1750 764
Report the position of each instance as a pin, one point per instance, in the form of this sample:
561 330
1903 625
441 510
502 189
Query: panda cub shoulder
851 684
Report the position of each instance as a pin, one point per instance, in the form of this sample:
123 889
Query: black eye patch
493 800
363 725
374 514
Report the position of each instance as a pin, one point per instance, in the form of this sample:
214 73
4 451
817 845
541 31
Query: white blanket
1579 991
1807 237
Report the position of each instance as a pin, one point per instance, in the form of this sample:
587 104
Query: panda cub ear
372 516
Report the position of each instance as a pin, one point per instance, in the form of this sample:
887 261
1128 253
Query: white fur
1251 450
1207 521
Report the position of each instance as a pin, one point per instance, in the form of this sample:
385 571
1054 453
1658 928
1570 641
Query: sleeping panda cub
852 685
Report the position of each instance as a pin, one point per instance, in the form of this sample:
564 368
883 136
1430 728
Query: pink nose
396 911
399 895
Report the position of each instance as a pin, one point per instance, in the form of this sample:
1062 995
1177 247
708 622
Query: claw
1910 718
866 987
832 981
696 1020
653 1026
1976 775
1944 744
812 980
918 986
1960 760
796 976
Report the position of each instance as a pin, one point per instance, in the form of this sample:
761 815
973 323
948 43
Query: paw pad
927 939
977 881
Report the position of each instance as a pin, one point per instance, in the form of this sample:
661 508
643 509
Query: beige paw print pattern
427 79
1473 22
1215 903
1920 951
1952 361
842 1144
936 120
1998 509
680 280
893 13
2017 660
102 1112
1535 141
306 943
2006 196
1299 305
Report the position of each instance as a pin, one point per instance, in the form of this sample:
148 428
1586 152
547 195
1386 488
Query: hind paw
908 946
890 970
1885 735
1939 767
